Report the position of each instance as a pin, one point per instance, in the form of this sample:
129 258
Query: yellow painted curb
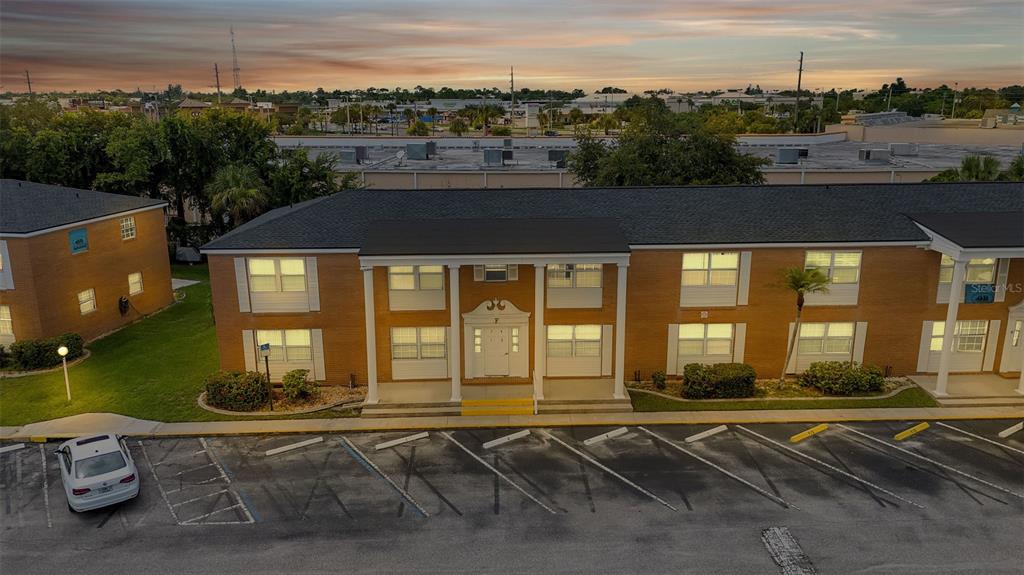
37 439
506 411
805 434
498 402
908 432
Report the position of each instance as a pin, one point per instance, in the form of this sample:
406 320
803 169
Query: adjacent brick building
580 290
78 261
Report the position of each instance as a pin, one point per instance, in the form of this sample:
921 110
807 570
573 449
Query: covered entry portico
965 237
495 327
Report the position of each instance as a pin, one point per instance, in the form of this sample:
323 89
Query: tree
432 112
458 126
972 169
238 191
607 122
575 116
297 178
801 282
1015 171
418 128
410 116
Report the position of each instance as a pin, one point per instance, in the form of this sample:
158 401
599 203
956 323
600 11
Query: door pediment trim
496 312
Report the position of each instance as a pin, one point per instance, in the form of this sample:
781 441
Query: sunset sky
636 44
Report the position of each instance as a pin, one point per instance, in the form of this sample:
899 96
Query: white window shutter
242 284
739 341
1002 273
924 351
478 273
513 272
249 350
743 288
317 339
671 366
606 350
860 335
990 345
6 275
312 284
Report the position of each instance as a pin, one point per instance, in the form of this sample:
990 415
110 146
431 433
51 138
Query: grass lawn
152 369
913 397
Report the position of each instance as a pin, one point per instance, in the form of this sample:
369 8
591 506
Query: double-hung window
711 269
838 267
134 283
701 339
978 271
128 228
6 323
418 343
968 336
495 273
277 274
826 339
574 340
287 345
410 278
574 275
87 301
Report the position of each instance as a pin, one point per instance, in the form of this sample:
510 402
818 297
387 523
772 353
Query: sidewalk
87 423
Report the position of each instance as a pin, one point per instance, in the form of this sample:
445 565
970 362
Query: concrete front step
981 401
583 402
586 408
410 410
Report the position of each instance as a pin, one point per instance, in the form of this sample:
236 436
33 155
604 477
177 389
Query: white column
455 345
539 336
620 334
1020 386
371 337
956 293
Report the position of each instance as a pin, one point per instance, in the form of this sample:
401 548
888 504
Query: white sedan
97 471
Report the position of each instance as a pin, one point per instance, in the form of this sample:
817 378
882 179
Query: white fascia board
909 243
243 252
82 222
944 245
519 259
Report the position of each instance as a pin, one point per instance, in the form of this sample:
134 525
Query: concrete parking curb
130 427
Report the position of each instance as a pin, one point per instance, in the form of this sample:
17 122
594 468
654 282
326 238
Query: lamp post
62 351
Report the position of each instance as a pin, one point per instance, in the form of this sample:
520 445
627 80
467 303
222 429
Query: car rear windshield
99 464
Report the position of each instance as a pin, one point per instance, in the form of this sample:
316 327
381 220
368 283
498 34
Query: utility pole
512 90
799 79
888 99
216 76
236 72
29 80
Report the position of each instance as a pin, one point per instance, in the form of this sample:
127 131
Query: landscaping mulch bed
327 397
768 388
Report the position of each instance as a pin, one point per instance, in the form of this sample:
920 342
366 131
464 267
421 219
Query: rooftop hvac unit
557 155
787 156
874 155
362 153
431 149
493 157
507 143
899 149
349 157
506 155
416 152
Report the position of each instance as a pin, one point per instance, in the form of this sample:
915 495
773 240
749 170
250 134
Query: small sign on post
265 352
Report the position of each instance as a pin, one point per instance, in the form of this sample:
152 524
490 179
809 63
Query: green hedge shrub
297 386
658 379
843 378
501 131
719 381
31 354
237 390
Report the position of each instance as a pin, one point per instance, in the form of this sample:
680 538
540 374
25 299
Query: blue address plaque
979 293
79 240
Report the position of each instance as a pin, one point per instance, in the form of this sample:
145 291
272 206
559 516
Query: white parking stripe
706 433
224 476
728 473
194 469
611 434
14 447
933 462
830 467
372 467
293 446
607 470
160 487
1011 430
976 436
501 475
205 515
46 487
506 439
179 504
401 440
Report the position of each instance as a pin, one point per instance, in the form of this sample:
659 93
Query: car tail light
81 491
128 479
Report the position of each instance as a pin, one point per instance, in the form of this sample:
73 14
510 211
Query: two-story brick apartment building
439 298
78 261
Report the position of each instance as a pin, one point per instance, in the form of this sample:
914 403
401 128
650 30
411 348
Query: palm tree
237 190
457 126
979 169
802 282
432 112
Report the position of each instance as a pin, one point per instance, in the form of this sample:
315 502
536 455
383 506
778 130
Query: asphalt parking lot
745 499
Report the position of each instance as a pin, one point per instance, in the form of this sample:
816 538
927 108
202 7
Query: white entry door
496 348
1013 351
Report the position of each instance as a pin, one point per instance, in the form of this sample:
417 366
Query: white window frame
278 275
128 229
959 337
570 274
973 268
283 353
705 339
417 274
132 285
574 341
494 268
831 268
89 301
6 320
826 338
419 343
708 269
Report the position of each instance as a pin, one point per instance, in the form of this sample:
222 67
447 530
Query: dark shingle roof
977 229
494 236
652 216
28 207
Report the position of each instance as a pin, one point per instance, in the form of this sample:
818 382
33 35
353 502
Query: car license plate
105 489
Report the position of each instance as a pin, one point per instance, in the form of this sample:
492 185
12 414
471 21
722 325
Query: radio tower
235 70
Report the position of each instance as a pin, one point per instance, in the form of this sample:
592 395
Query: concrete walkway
87 423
